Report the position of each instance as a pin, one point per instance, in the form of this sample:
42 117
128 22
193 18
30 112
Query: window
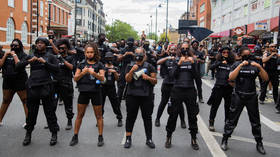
62 17
40 31
78 1
10 34
79 11
79 22
202 8
53 13
202 24
11 3
24 5
58 15
41 8
24 32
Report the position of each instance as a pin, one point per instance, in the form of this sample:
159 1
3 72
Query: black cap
225 48
109 55
43 39
195 41
130 40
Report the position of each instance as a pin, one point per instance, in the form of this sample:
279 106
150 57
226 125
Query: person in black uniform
89 75
64 84
126 56
222 88
244 74
40 88
167 85
212 56
257 57
141 78
270 60
103 49
151 55
109 88
13 80
185 72
199 59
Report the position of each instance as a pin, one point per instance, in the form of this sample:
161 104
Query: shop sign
261 26
238 31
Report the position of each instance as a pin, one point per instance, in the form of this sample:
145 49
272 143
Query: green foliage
152 36
162 37
120 30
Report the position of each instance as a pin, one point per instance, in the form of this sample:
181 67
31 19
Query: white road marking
243 139
209 139
124 138
269 123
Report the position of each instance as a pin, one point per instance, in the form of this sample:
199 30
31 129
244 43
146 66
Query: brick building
204 14
15 22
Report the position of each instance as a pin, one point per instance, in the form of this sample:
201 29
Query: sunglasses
61 48
224 52
273 46
14 45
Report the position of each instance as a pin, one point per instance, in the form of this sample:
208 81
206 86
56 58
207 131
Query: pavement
241 144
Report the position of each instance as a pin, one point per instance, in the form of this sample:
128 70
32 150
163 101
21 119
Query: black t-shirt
213 54
127 59
110 77
89 83
65 75
140 87
103 49
245 81
9 67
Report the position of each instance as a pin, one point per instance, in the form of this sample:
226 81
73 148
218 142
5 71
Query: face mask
109 61
102 40
173 54
91 59
139 56
51 36
185 52
245 57
130 44
146 46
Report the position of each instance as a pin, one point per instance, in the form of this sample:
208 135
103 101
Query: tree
162 37
120 30
152 36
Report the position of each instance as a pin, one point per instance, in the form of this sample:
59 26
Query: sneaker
74 140
100 141
270 92
27 139
1 124
261 102
127 143
53 140
277 110
69 125
150 144
24 125
120 123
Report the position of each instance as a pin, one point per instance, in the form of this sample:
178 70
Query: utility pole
151 26
166 22
75 18
38 18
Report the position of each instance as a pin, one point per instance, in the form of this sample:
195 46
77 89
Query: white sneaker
270 92
1 124
24 125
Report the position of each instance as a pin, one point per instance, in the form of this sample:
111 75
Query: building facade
257 18
204 13
15 22
90 19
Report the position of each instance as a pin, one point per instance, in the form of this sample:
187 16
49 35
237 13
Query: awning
215 36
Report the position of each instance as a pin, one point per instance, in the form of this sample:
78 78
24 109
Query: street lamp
159 6
151 27
49 25
166 21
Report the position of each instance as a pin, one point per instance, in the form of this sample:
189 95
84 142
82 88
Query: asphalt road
242 143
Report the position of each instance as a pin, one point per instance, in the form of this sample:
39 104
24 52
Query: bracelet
14 55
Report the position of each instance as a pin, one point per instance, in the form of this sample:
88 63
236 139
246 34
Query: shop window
24 33
10 34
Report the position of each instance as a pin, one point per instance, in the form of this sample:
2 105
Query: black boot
69 125
260 147
74 140
168 142
27 139
127 142
194 144
150 143
120 124
224 144
53 139
211 125
157 123
183 124
100 141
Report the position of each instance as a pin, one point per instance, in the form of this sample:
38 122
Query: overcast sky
138 12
